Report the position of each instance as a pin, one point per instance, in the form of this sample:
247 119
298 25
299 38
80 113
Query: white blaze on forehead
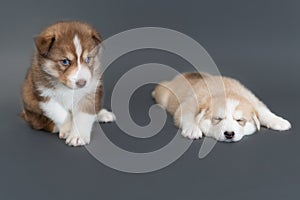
238 115
82 72
229 110
78 49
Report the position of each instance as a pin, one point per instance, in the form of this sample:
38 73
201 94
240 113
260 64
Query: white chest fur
66 97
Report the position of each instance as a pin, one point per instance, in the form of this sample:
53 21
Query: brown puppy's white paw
191 132
65 129
55 129
106 116
77 140
63 134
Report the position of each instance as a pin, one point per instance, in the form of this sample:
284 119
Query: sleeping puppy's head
228 120
67 53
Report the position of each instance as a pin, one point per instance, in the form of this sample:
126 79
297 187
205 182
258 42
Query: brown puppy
216 106
63 89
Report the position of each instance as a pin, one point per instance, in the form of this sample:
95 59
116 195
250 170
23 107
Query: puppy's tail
23 114
161 94
158 90
153 94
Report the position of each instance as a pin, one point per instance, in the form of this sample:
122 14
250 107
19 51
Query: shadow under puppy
62 90
215 106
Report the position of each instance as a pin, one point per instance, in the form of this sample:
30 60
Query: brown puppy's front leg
66 127
83 118
81 128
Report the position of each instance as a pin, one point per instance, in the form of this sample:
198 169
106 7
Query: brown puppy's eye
242 122
65 62
87 60
216 120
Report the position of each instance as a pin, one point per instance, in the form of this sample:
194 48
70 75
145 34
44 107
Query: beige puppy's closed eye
226 115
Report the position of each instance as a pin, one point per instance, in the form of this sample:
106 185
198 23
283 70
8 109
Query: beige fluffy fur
218 107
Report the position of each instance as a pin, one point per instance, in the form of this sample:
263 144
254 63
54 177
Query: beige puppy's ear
256 121
200 115
203 109
44 43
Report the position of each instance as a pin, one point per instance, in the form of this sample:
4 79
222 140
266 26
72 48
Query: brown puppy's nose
81 83
229 135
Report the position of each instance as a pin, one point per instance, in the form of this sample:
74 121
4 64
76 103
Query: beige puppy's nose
229 135
80 83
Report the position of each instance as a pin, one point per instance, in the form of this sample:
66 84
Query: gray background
254 41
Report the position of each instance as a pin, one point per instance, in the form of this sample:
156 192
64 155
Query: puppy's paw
191 132
77 140
279 124
106 116
65 131
63 134
55 129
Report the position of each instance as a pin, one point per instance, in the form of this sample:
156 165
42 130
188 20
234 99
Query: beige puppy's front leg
270 120
184 118
266 117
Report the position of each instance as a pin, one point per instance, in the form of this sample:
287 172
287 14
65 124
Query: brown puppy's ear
44 43
96 37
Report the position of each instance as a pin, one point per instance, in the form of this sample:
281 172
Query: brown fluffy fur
50 45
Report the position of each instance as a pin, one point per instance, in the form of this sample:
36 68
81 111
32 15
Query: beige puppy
215 106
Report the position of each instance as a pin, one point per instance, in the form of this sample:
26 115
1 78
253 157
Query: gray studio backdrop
256 42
